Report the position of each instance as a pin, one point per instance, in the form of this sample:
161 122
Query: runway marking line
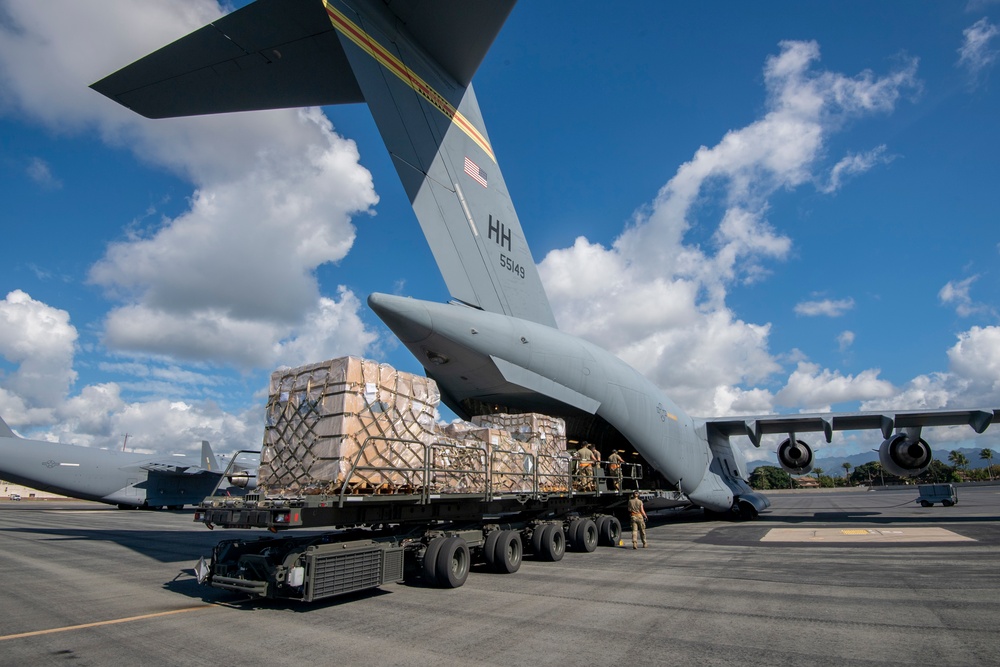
98 624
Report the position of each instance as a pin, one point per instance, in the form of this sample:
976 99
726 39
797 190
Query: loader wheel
585 537
452 563
571 531
489 548
537 536
430 567
947 503
508 553
610 531
553 544
926 503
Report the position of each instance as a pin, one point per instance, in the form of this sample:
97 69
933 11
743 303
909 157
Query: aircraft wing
827 422
174 468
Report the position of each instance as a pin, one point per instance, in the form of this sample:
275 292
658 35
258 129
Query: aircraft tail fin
412 63
208 460
5 431
431 123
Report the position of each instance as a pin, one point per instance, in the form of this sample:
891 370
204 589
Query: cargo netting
355 426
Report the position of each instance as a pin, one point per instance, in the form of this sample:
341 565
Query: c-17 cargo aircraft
495 347
125 479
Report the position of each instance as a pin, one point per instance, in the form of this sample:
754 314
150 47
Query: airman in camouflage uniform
638 513
615 462
586 467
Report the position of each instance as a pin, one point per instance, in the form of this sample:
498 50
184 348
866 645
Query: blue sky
764 207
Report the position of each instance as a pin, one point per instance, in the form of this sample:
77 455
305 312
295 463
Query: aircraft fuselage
117 478
511 362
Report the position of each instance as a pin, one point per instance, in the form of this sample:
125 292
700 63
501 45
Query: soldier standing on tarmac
615 468
638 513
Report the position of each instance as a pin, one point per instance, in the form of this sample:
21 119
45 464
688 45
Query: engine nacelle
795 457
902 456
243 480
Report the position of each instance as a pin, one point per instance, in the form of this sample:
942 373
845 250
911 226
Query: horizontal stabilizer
275 54
271 54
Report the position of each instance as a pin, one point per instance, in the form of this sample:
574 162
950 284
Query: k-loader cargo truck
437 535
354 453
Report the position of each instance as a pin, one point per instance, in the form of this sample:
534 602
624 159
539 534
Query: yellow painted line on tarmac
98 624
862 535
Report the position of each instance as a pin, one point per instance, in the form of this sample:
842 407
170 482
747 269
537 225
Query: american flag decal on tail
473 170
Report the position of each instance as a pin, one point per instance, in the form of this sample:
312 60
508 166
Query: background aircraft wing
755 426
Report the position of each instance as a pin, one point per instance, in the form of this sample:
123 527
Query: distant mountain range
834 465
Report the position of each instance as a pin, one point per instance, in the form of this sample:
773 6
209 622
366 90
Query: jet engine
795 456
904 456
243 480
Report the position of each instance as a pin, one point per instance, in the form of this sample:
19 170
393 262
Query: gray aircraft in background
495 347
125 479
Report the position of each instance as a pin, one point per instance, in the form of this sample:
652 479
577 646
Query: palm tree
987 455
958 458
847 468
818 471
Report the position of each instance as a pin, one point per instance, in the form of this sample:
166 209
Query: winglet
208 461
5 431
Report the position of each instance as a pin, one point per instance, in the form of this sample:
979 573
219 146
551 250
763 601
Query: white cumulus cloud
812 388
658 300
824 307
40 341
956 293
274 192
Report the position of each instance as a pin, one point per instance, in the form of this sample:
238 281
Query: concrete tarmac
848 578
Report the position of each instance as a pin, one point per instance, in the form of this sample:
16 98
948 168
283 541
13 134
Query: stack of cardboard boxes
542 436
325 419
356 425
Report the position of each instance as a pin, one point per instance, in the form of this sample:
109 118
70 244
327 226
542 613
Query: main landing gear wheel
452 563
508 553
553 543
